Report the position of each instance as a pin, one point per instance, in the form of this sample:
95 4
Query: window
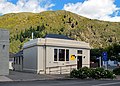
61 55
79 52
67 55
3 46
19 60
55 54
14 60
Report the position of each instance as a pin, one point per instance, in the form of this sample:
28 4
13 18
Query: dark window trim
56 54
66 57
79 51
19 60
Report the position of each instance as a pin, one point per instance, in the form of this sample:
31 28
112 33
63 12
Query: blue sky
107 10
117 2
58 3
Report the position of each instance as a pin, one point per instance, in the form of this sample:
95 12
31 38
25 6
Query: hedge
116 71
90 73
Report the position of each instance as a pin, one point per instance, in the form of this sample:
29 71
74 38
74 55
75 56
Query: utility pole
32 35
100 61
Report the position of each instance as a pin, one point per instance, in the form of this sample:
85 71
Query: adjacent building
54 54
18 61
4 52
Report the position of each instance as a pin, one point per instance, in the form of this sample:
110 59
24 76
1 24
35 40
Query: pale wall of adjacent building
4 52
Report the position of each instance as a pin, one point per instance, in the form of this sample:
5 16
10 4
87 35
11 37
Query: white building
11 64
55 54
4 52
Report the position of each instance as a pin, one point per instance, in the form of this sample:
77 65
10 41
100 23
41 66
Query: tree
114 52
95 53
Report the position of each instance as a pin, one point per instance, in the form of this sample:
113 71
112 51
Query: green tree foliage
25 35
95 53
114 52
116 71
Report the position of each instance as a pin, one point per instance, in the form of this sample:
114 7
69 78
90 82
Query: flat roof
56 43
58 36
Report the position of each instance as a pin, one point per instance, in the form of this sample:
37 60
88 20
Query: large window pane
61 55
67 55
55 54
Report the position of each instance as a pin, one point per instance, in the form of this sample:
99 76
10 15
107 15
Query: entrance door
79 62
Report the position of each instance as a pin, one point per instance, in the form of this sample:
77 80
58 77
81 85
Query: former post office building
55 54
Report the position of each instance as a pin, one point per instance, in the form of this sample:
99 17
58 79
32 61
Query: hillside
21 25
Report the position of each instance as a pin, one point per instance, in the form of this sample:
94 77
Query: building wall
39 55
18 67
35 61
18 63
4 52
41 60
86 58
61 67
30 59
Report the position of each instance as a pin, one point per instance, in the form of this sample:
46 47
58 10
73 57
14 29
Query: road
64 83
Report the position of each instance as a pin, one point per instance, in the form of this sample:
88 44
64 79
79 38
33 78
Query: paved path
4 78
21 76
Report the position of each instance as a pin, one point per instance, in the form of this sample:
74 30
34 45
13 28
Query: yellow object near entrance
72 57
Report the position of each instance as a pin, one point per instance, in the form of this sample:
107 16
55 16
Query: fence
60 69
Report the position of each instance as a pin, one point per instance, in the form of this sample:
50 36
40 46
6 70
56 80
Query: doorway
79 62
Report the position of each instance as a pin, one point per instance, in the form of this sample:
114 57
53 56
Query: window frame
19 62
79 51
56 55
65 55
